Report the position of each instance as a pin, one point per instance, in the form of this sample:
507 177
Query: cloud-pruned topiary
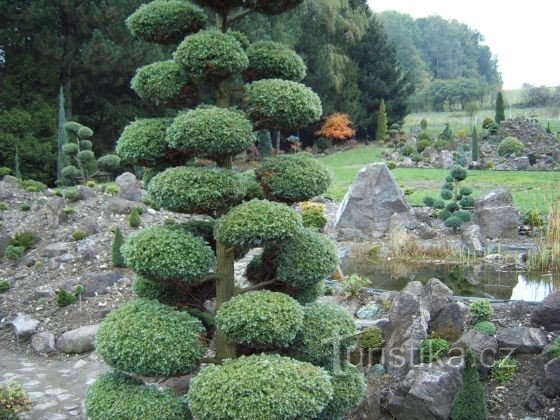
281 104
510 145
150 339
322 325
307 258
143 141
117 396
261 318
165 254
256 222
260 387
272 60
212 132
211 55
166 21
349 387
309 294
150 290
196 190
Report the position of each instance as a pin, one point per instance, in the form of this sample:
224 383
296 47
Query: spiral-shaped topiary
212 132
293 178
143 141
164 254
307 258
166 21
116 396
150 339
256 222
211 55
196 190
260 387
349 387
272 60
281 104
261 318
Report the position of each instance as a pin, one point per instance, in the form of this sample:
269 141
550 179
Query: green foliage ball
464 215
510 145
260 387
70 149
349 387
143 143
452 207
464 191
458 173
65 298
448 186
433 349
164 254
485 327
252 187
85 156
117 396
214 133
470 403
86 145
166 21
211 55
261 318
467 202
481 309
422 145
446 194
78 235
148 289
444 215
256 222
272 60
453 222
134 221
322 324
84 133
109 163
72 127
428 201
309 294
150 339
307 258
439 204
281 104
371 338
293 178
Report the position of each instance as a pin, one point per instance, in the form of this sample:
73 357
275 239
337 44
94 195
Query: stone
399 225
547 312
371 201
80 340
55 249
10 180
368 311
4 243
130 188
550 382
446 159
472 240
24 326
427 391
370 406
116 205
522 163
437 296
54 210
84 192
407 329
44 291
43 342
64 258
496 215
95 283
450 323
87 250
426 232
534 401
484 346
522 339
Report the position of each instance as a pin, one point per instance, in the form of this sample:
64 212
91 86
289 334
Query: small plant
112 190
4 285
353 284
554 349
90 184
391 165
78 235
504 370
470 403
510 145
371 338
433 349
3 207
116 255
25 207
13 398
65 298
481 309
4 171
25 239
533 218
486 327
69 210
313 218
134 220
14 253
78 291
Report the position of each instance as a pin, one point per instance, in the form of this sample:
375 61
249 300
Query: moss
371 338
485 327
433 349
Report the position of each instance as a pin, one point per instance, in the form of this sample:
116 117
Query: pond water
471 280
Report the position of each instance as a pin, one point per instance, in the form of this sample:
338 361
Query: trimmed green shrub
452 207
464 191
211 55
307 258
371 338
444 215
349 387
14 253
252 188
448 186
487 122
148 289
293 178
4 285
463 215
553 350
31 185
166 21
116 254
510 145
164 254
439 204
446 194
78 235
85 156
309 294
322 325
86 144
70 149
481 309
272 60
26 239
212 132
453 222
150 339
503 370
85 133
65 298
485 327
466 202
428 201
108 163
260 387
433 349
3 207
469 402
134 220
391 165
117 396
143 142
261 318
25 207
256 222
313 218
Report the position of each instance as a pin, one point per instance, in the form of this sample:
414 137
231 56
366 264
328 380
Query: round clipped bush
196 190
486 327
349 387
458 173
293 178
85 155
466 202
256 222
464 191
281 104
166 21
85 133
71 172
322 325
150 339
260 387
464 215
86 145
453 222
510 145
446 194
165 254
309 294
452 206
428 201
211 55
108 163
261 318
306 259
143 141
448 186
212 132
70 149
272 60
439 204
117 396
164 82
444 215
73 127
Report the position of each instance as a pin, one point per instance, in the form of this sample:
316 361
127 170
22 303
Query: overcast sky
523 35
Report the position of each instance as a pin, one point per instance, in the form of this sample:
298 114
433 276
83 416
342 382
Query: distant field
530 190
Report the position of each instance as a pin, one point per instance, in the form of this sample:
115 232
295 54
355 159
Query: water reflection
533 289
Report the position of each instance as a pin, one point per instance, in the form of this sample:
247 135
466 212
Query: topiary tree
180 267
510 145
500 113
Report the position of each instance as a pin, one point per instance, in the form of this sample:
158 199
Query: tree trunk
278 135
224 94
225 288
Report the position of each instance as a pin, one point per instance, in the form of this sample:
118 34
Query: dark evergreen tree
474 146
500 112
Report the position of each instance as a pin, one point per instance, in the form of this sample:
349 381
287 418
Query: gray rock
130 188
550 383
95 283
427 391
472 240
84 192
496 215
121 206
484 346
44 291
450 323
4 243
547 312
522 163
64 258
368 311
534 401
371 201
43 342
80 340
426 232
446 159
10 180
370 407
54 210
24 326
437 296
55 249
522 339
87 249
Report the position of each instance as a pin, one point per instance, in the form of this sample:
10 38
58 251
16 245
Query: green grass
530 190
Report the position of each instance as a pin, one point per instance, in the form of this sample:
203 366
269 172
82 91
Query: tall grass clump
547 257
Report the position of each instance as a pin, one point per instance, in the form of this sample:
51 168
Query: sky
522 34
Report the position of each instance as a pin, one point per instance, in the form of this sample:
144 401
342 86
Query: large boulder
522 339
54 210
370 202
78 341
472 240
550 382
24 326
484 346
130 188
547 312
43 343
95 283
116 205
496 215
447 160
437 296
450 323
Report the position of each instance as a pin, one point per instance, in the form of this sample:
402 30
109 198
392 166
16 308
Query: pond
480 280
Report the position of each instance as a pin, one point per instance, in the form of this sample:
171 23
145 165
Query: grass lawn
530 190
